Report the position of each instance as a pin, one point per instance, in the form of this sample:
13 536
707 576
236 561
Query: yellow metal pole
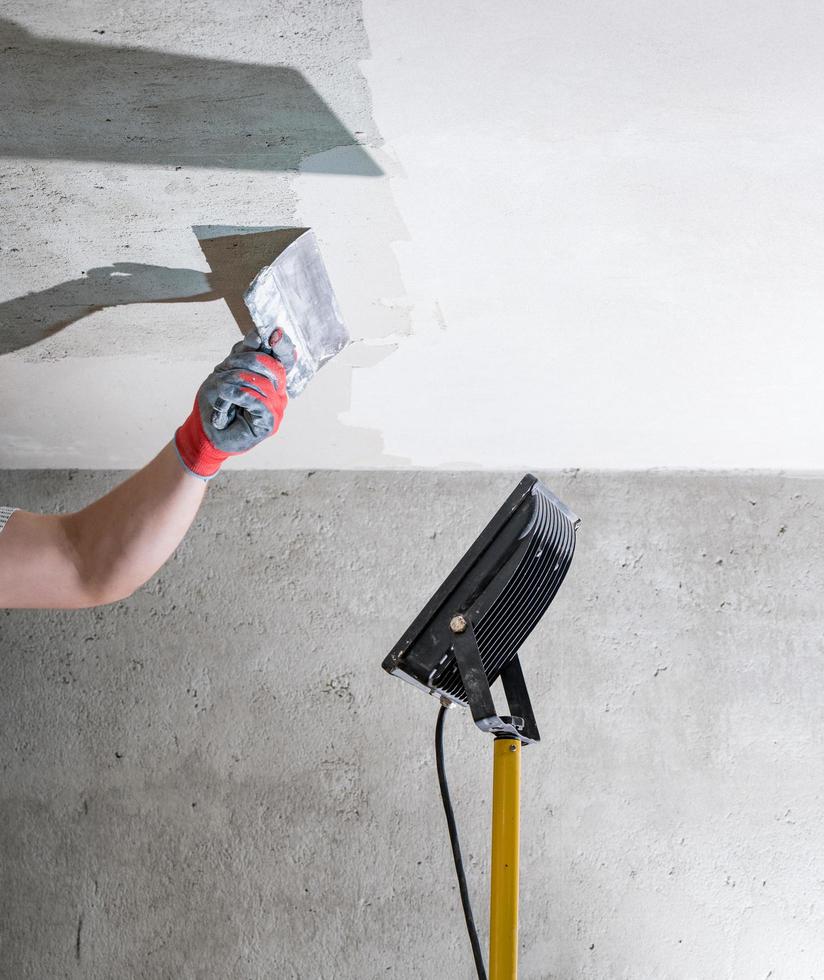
506 817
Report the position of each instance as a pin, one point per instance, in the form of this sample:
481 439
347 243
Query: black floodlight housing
470 631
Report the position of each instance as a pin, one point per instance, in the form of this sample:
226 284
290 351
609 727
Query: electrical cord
456 847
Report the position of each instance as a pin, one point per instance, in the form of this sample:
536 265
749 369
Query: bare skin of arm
104 552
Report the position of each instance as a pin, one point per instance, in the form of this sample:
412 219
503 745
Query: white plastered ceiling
595 241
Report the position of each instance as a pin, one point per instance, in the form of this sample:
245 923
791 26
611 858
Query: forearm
120 541
110 548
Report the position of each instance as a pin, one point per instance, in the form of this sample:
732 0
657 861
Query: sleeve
5 514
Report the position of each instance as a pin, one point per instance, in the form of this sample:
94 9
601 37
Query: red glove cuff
195 451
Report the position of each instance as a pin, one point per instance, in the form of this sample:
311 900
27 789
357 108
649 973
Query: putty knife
296 317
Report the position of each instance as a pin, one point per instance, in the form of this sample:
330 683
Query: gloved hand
255 385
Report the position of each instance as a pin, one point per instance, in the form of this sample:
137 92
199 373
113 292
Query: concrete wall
214 779
578 238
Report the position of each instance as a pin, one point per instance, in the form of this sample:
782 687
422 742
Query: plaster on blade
294 294
296 317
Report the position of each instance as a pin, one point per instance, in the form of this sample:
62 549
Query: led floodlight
465 638
470 631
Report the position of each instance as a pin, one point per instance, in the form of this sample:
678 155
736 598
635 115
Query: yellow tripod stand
509 733
506 819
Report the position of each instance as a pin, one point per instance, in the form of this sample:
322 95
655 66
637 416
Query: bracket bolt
458 624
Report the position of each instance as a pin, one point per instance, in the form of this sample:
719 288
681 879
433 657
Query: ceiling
562 236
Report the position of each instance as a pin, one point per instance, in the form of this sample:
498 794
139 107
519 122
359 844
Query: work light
466 637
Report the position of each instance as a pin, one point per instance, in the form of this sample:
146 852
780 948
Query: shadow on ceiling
234 254
77 101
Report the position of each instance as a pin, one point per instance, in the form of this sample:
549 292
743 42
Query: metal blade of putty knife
296 316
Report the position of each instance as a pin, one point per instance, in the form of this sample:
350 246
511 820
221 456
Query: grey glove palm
248 391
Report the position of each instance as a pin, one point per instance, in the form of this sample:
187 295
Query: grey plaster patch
98 260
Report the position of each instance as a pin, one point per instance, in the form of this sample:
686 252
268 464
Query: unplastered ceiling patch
107 299
99 99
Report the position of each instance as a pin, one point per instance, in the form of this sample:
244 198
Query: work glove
253 384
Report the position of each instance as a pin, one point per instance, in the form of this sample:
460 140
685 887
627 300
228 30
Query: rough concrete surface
214 779
125 127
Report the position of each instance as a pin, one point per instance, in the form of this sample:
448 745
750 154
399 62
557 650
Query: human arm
102 553
107 550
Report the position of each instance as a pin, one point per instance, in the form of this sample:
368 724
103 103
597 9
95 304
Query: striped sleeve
5 514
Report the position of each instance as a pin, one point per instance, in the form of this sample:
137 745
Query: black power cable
456 847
